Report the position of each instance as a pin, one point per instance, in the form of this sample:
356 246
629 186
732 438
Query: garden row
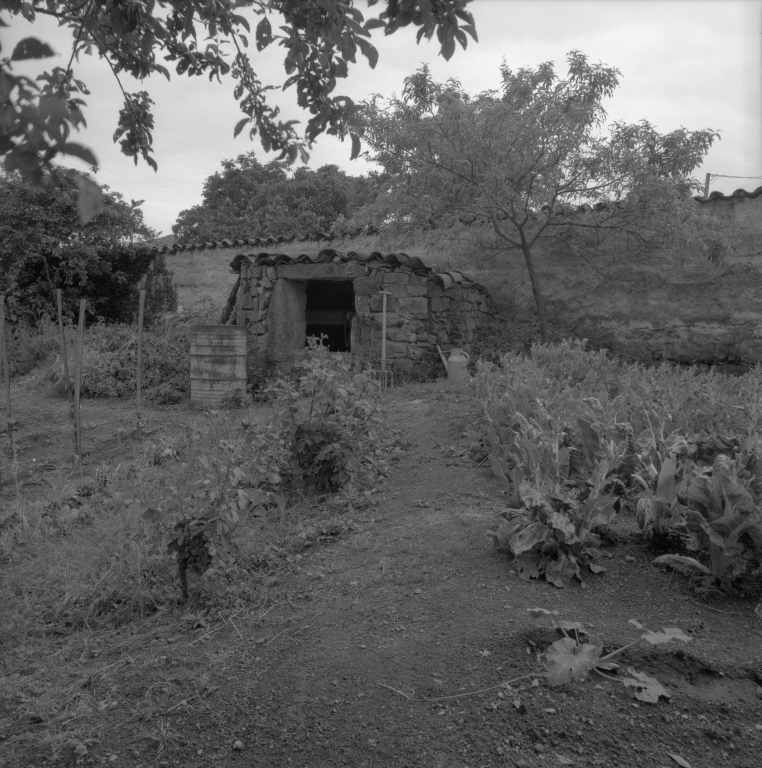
204 515
575 437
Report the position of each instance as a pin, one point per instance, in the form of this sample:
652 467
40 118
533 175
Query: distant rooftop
169 244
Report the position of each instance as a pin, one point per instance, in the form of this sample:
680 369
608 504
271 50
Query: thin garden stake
63 345
6 373
139 430
78 378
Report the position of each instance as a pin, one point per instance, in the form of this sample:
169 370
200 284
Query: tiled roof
739 194
263 242
167 244
163 242
374 260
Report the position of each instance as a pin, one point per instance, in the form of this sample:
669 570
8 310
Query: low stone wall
421 313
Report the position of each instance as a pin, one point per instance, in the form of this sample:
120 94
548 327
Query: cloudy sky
692 63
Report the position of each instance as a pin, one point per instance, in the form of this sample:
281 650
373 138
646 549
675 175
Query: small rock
260 641
417 591
551 711
237 745
629 558
539 748
112 758
535 683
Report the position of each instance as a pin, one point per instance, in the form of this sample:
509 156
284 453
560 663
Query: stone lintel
329 271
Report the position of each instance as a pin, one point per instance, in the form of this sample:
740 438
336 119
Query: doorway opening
330 304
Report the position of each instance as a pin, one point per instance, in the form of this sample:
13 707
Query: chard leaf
523 535
560 572
528 565
563 525
665 486
686 566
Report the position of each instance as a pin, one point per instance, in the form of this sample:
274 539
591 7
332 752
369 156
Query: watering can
456 365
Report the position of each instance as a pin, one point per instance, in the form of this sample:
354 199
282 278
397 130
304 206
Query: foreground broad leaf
667 636
569 661
687 566
561 571
528 565
643 687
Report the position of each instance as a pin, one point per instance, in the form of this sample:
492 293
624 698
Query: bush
328 418
109 361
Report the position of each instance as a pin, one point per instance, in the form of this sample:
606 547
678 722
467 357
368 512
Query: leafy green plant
572 659
657 513
328 418
724 518
110 361
200 518
554 537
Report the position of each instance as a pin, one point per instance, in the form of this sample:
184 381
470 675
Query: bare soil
387 647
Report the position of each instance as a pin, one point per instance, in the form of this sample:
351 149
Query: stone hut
282 299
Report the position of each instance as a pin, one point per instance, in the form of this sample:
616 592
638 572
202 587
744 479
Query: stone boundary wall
421 313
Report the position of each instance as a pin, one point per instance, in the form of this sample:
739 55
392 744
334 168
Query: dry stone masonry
424 309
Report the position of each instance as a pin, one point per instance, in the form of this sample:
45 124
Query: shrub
109 367
328 418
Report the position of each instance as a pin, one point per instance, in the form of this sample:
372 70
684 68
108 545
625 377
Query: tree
248 199
321 39
525 158
44 246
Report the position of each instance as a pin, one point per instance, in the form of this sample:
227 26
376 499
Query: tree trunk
538 297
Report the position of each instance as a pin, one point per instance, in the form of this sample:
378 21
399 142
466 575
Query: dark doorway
330 304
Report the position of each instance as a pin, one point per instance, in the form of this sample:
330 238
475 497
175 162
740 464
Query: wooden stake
706 185
139 431
63 345
6 373
78 378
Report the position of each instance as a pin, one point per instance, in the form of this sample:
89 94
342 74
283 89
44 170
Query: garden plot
392 634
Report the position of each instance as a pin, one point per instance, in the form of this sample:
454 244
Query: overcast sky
692 63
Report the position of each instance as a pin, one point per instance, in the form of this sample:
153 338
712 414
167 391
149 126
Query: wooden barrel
217 364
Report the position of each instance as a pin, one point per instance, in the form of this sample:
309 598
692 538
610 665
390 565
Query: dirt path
416 604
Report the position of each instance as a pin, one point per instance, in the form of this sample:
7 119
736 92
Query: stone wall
421 313
661 305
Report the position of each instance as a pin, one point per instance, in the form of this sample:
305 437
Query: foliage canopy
44 246
524 158
248 199
320 37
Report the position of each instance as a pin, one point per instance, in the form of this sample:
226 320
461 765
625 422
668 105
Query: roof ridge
265 241
719 196
260 242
